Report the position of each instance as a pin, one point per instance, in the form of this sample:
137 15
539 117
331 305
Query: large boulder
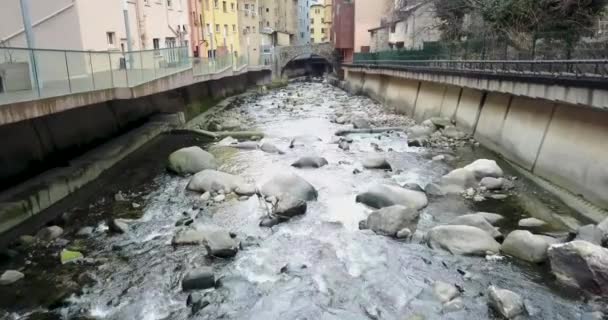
310 162
270 148
485 168
375 161
590 233
463 240
507 303
219 243
531 223
491 183
581 264
457 181
361 123
215 181
198 279
191 160
524 245
380 196
441 122
419 131
188 237
289 184
289 207
492 218
478 221
389 221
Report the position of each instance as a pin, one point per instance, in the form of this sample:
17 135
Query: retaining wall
565 144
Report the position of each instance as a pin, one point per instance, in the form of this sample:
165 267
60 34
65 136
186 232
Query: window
267 10
209 29
234 28
146 2
312 30
156 43
312 21
225 30
111 36
216 4
393 27
247 30
232 6
217 28
322 30
170 3
246 9
224 7
254 30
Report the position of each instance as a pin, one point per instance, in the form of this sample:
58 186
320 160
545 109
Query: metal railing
31 74
553 69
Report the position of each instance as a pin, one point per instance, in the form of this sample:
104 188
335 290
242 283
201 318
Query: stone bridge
283 55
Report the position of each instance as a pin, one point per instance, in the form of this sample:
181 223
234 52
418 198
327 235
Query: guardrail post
92 71
111 71
67 70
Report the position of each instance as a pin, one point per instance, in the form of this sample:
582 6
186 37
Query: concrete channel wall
44 159
563 143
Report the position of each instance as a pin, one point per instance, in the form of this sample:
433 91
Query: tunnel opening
309 65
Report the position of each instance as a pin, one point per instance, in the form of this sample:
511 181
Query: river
317 266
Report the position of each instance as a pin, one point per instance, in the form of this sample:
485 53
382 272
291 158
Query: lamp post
31 42
125 11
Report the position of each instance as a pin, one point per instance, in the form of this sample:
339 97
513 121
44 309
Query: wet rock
581 264
219 198
462 240
531 223
389 221
380 196
452 132
440 157
228 141
215 181
184 222
269 222
191 160
342 120
26 240
433 189
444 292
361 123
10 277
507 303
300 141
418 142
119 196
404 233
413 186
188 237
198 279
247 189
270 148
246 145
310 162
491 183
478 221
485 168
590 233
85 232
344 145
454 305
419 131
603 227
231 125
118 225
524 245
205 196
197 302
219 243
440 122
492 218
291 185
289 207
49 233
376 162
457 181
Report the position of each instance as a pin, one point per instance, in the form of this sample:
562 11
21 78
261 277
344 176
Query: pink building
368 14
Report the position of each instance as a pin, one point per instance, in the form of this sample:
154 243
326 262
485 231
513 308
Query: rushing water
318 266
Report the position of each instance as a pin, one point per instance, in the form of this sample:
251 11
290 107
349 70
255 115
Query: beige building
97 25
279 19
320 22
249 24
368 14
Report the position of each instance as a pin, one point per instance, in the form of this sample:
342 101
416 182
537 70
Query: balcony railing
32 74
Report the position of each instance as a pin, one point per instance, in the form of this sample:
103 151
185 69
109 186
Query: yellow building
328 19
319 26
249 23
221 21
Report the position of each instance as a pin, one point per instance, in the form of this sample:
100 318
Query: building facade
343 28
368 14
221 27
249 24
303 32
196 32
278 18
320 24
97 25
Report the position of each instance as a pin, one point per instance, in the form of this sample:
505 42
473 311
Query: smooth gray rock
507 303
247 189
374 161
441 122
478 221
418 142
191 160
289 207
603 227
492 218
491 183
462 240
300 141
231 125
246 145
219 243
10 277
118 225
188 237
361 123
198 279
85 232
270 148
310 162
389 221
531 223
482 168
380 196
457 181
49 233
444 292
419 131
454 305
452 132
26 240
197 302
289 184
215 181
433 189
581 264
269 222
404 233
524 245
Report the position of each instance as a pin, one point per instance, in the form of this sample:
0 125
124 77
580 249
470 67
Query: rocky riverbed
413 221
